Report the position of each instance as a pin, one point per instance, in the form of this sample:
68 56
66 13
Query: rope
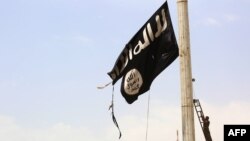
102 87
147 116
113 115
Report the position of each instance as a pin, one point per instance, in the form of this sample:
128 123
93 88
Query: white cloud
211 22
77 38
231 18
11 131
82 39
164 120
217 22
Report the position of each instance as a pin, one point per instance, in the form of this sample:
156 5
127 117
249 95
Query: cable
148 115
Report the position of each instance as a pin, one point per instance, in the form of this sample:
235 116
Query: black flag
146 55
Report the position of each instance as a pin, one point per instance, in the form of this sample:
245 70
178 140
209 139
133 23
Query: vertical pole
188 131
177 135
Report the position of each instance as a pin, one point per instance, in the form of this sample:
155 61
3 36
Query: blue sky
54 53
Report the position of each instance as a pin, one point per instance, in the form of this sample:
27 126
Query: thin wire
148 115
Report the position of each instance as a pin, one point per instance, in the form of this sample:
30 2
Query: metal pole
188 131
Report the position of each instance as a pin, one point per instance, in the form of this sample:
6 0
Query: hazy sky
54 53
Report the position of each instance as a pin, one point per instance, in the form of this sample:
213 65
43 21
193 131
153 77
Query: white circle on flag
133 82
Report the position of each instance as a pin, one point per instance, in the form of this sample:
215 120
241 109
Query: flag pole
188 130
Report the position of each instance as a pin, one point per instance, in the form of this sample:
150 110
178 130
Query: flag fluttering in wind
146 55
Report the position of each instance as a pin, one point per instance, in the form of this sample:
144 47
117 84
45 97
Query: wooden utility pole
188 131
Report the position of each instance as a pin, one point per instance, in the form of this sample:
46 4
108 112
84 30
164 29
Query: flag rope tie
102 87
113 115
